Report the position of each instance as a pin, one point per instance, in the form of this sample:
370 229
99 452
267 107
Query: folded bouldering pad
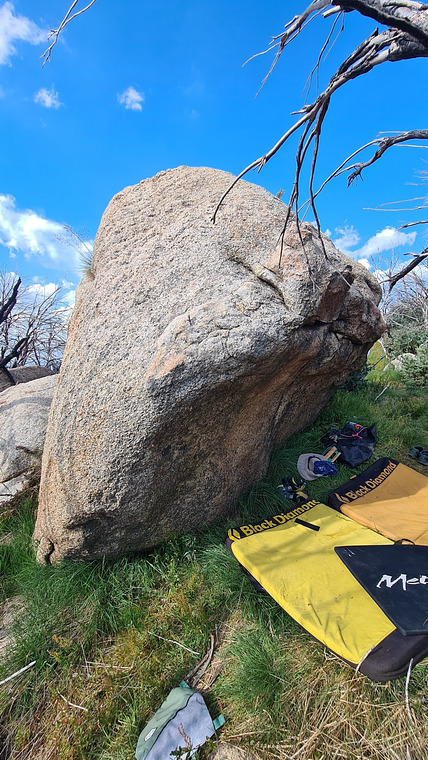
396 577
292 557
387 497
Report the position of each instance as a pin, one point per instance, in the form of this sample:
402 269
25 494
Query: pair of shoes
293 490
419 453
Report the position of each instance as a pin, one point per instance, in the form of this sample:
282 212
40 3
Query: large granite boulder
24 411
193 349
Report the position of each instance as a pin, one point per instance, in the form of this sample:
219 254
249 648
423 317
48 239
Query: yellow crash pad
297 565
387 497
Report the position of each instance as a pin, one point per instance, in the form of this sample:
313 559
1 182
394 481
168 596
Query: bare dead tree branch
316 68
33 325
409 16
54 33
406 38
17 350
292 29
384 144
6 308
355 169
403 272
413 224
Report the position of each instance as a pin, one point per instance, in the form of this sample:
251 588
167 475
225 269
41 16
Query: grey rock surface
10 377
193 349
24 411
12 486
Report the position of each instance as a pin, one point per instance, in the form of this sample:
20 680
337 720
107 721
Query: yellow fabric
299 568
398 508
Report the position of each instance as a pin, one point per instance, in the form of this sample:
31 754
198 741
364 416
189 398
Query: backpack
354 442
180 726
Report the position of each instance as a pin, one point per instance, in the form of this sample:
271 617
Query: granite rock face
193 349
24 411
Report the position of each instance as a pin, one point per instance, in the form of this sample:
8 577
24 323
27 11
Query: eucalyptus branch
54 33
8 305
409 16
413 224
372 52
408 268
384 144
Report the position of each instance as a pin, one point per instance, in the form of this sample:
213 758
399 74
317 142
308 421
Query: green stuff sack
180 726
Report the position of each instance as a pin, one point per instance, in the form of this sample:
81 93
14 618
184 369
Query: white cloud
14 28
47 98
421 271
132 99
348 238
386 240
42 290
29 233
365 263
69 298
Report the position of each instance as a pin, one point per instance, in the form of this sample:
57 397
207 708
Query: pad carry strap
218 722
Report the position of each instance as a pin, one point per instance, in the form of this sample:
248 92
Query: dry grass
323 710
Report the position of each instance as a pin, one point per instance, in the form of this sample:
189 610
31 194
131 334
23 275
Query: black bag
354 442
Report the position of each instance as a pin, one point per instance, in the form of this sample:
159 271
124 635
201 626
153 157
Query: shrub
415 368
405 339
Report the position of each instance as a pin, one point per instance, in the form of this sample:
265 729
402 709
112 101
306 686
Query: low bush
415 368
405 340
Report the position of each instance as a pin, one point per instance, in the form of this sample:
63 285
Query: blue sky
134 88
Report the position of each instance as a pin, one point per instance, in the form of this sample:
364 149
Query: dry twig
172 641
18 672
71 704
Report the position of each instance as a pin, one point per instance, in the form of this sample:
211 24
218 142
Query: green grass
98 632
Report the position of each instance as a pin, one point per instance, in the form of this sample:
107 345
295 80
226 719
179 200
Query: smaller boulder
16 375
6 379
24 410
397 363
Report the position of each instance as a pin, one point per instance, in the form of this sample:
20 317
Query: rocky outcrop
24 411
193 350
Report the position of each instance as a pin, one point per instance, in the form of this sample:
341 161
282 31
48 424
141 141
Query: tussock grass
110 639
